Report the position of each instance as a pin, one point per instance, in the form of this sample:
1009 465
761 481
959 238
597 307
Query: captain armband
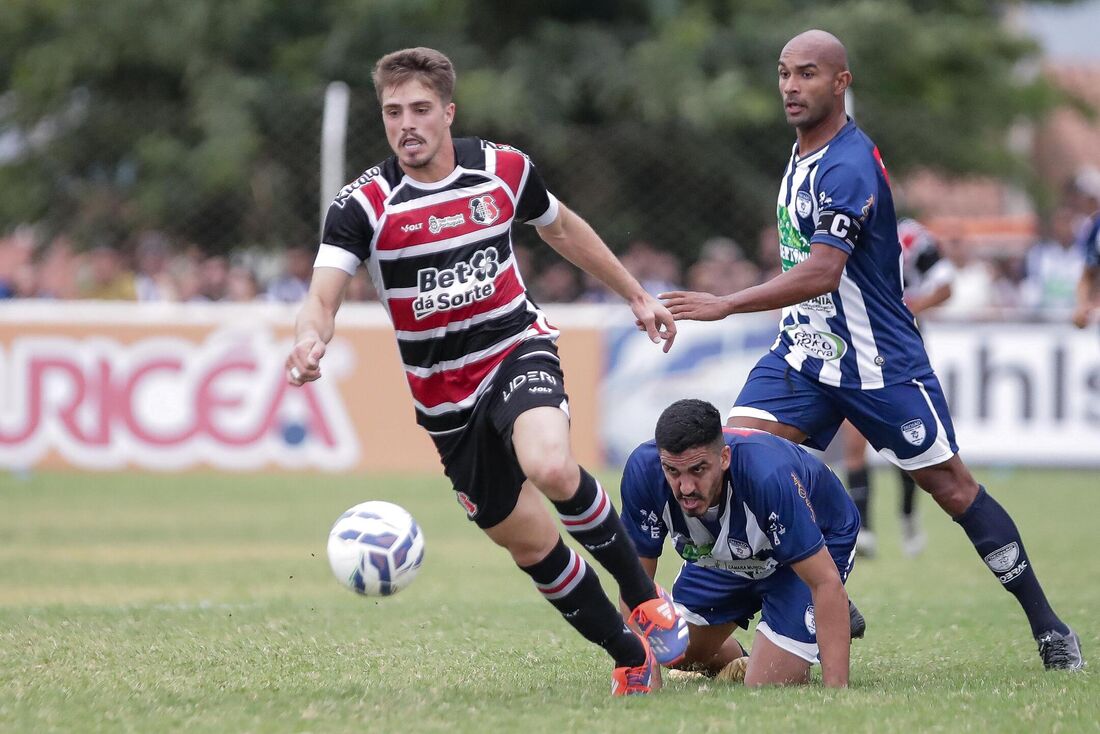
841 226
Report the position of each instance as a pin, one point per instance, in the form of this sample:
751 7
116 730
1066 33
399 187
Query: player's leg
859 484
997 540
531 415
530 535
714 603
541 440
772 665
912 536
911 426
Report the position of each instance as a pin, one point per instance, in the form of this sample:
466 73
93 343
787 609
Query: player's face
417 123
809 89
697 476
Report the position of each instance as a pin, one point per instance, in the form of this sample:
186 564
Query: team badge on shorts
484 210
467 503
914 432
811 622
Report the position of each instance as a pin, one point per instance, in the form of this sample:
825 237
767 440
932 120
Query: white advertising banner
1021 394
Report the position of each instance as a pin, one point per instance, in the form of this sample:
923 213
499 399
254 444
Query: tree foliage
202 118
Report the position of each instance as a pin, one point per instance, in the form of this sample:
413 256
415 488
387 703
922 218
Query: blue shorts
908 423
706 596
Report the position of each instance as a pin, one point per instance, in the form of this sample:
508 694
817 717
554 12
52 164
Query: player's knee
953 493
555 474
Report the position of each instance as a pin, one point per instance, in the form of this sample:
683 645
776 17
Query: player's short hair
426 64
687 424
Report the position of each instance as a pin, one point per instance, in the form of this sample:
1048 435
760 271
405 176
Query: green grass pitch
140 602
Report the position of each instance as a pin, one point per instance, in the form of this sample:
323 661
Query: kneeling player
761 525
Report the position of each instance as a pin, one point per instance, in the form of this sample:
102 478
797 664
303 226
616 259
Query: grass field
205 603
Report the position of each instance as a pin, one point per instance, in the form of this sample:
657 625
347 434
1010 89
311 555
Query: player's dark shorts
908 423
480 460
706 596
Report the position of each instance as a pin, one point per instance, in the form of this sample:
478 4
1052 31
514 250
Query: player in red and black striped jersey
432 225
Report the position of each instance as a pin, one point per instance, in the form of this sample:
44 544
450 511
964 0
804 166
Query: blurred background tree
656 119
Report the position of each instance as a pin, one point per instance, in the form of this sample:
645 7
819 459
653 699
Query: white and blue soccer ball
376 548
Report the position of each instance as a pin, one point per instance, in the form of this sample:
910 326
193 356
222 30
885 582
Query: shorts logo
914 431
438 224
530 378
803 204
740 548
810 620
484 210
467 503
460 285
1003 558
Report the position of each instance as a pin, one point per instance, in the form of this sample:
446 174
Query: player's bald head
820 47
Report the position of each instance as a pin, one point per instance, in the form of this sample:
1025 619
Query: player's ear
449 113
726 456
842 81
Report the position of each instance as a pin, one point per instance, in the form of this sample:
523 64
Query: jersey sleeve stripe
331 256
549 216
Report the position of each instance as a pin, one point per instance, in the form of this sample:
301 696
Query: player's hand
655 320
1081 316
304 362
695 306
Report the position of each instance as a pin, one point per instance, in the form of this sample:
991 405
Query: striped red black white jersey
440 255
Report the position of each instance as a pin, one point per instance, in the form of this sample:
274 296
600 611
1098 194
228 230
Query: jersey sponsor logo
529 378
438 224
692 552
775 528
821 344
866 211
1003 558
823 304
415 227
804 495
793 246
484 210
914 433
750 568
810 620
457 286
803 204
651 524
346 192
739 548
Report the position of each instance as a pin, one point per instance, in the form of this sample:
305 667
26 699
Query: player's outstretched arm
818 274
834 635
576 241
316 324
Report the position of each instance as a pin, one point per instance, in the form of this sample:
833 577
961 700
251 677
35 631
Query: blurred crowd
1039 281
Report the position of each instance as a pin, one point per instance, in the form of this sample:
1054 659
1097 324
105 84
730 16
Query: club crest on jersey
460 285
803 204
914 432
739 548
484 210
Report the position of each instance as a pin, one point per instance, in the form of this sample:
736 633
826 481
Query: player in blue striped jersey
1089 242
848 347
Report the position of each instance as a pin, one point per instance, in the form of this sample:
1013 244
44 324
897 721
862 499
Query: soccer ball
375 548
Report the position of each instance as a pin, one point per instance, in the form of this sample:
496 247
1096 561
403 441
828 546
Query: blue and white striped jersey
861 335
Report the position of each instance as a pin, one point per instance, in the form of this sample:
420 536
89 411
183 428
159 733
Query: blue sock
998 542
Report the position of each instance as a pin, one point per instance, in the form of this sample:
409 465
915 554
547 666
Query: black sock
567 582
998 542
590 517
859 487
908 493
